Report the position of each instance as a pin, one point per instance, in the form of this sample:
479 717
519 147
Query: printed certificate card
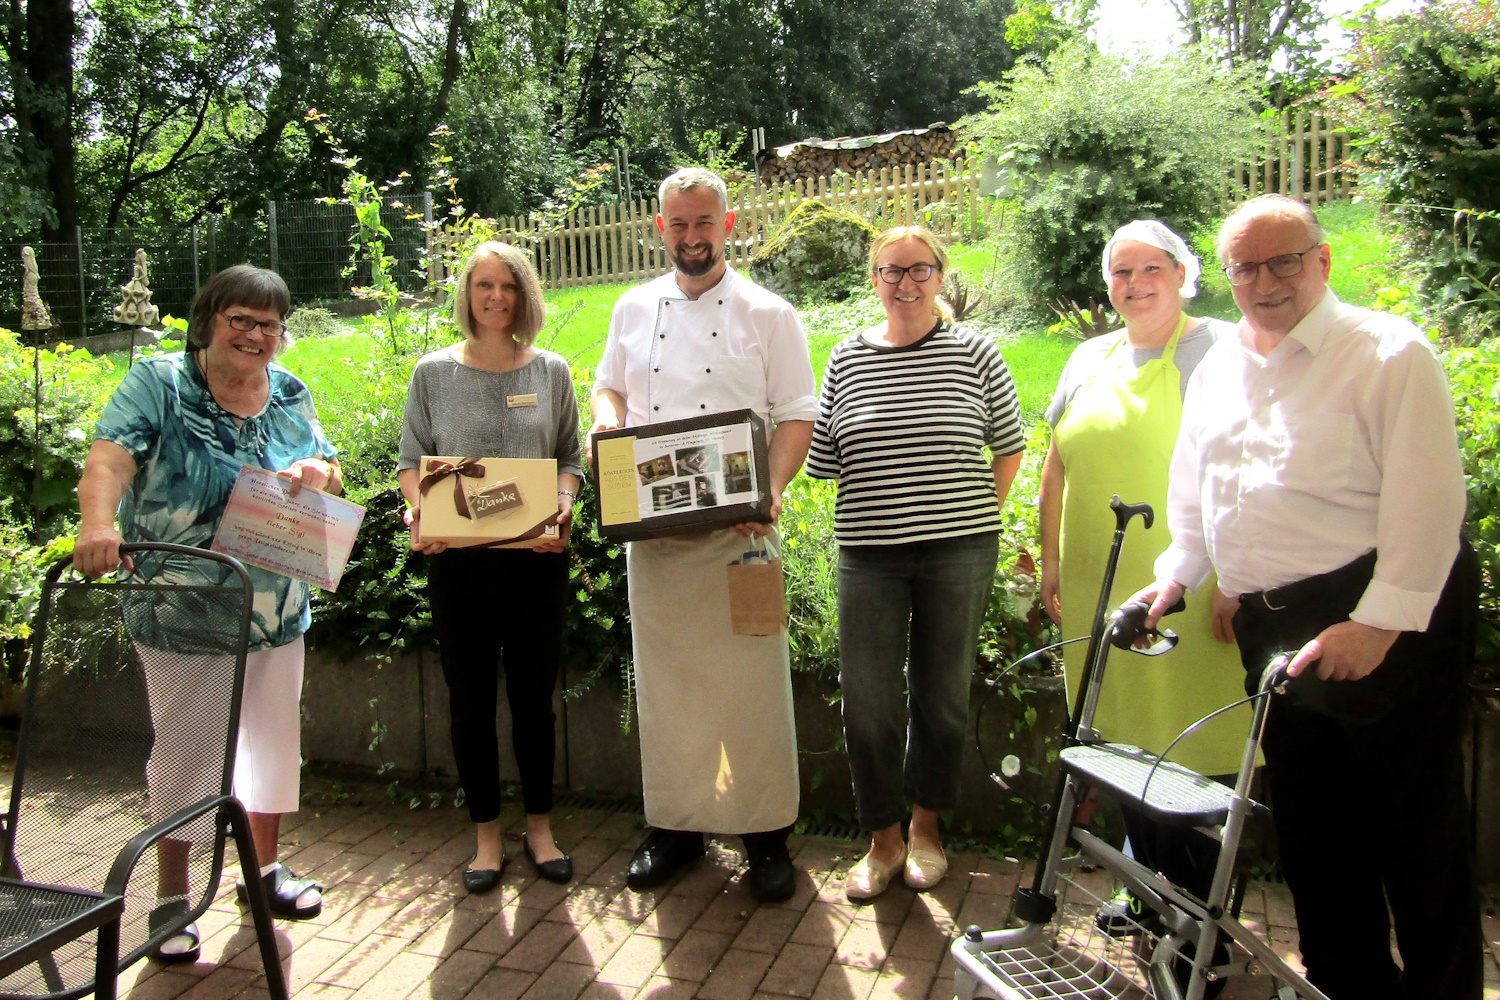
307 537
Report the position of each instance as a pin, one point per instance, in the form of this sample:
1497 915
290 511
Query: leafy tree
1089 141
1253 31
1427 96
157 79
37 44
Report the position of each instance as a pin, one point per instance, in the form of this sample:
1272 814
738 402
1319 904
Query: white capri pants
268 762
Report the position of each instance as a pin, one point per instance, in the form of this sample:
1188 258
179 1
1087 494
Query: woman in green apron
1114 418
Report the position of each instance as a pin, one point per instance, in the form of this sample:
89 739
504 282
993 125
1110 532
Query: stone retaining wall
595 755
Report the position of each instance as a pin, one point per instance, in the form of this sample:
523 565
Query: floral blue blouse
189 453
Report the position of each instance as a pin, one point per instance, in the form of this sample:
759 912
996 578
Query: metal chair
127 743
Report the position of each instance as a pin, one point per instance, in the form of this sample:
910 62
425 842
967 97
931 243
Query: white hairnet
1153 233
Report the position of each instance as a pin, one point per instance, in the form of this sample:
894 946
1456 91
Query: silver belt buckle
1265 598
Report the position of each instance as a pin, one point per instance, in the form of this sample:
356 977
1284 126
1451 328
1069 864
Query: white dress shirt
736 346
1339 441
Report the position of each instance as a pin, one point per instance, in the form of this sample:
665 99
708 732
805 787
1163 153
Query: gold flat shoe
925 867
870 876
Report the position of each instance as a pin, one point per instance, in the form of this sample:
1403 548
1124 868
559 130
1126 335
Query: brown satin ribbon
532 532
437 471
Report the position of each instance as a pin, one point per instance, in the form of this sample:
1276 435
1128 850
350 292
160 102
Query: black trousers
489 606
1367 795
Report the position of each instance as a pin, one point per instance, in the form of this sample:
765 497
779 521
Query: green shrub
22 566
810 560
1014 624
41 459
818 254
1474 376
1088 141
1427 95
360 392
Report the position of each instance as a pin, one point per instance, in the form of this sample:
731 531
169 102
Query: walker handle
1275 677
1129 623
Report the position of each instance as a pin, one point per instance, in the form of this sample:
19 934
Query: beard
696 269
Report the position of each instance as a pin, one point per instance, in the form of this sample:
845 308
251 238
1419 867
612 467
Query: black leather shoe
772 878
661 855
481 880
559 870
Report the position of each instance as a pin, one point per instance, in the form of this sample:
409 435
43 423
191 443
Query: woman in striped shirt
907 412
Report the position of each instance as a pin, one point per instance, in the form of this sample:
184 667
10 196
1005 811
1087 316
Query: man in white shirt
718 745
1317 473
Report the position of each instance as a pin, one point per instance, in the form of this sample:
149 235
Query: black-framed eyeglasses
1283 265
244 323
891 274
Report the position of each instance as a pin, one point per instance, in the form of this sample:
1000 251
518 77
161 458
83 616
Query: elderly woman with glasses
919 424
166 453
1114 421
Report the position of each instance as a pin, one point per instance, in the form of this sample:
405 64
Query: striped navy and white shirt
903 430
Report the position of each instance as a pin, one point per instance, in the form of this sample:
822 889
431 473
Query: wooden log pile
822 157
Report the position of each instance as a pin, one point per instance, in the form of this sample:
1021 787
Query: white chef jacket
1339 441
737 346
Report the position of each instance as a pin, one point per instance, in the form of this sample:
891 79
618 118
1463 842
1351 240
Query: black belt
1320 588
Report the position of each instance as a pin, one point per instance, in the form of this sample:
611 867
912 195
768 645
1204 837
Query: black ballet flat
482 880
559 870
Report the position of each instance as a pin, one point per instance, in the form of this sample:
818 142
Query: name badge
524 399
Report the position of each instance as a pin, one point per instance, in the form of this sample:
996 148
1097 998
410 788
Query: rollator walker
1058 951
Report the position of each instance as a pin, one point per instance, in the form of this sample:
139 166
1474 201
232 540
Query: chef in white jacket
718 745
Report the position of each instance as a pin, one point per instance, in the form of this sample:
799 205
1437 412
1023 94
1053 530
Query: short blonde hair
928 239
531 309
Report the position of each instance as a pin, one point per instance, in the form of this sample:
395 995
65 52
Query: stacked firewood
820 157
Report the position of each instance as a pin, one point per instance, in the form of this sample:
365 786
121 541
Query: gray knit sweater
452 409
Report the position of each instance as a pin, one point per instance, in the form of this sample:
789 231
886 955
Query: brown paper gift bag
757 598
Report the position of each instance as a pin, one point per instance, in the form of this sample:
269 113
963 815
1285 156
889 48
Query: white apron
718 743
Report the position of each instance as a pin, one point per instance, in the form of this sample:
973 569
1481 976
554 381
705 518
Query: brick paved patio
397 923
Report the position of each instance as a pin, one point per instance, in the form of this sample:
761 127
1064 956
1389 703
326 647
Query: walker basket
1070 956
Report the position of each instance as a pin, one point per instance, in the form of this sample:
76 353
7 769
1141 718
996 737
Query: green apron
1116 436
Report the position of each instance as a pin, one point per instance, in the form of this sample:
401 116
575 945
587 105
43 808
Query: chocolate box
680 476
499 502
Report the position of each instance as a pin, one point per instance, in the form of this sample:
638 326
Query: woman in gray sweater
494 394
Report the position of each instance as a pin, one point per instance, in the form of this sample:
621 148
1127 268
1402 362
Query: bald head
1276 206
1275 232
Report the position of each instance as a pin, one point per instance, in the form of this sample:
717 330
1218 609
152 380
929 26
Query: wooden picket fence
620 242
1303 157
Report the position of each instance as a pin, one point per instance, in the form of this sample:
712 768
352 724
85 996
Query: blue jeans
934 595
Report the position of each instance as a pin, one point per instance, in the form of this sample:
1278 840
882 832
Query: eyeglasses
245 323
891 274
1282 266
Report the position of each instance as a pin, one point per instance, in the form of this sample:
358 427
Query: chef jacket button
721 302
702 406
716 333
664 336
656 407
708 371
656 369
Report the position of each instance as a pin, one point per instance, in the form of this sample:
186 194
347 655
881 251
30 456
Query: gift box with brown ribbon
495 502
